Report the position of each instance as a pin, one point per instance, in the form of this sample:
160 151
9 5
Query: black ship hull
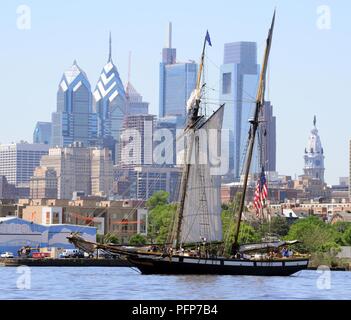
187 265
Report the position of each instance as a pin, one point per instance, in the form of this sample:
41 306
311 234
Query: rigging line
235 82
140 201
79 230
250 98
187 195
243 155
175 235
169 146
171 226
199 167
192 223
218 91
173 217
230 100
227 232
154 182
231 226
158 177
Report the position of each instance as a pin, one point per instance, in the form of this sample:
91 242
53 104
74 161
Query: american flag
261 192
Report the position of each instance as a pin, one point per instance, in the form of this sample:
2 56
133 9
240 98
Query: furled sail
265 245
202 205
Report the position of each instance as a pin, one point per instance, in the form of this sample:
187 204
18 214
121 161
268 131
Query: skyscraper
7 190
177 81
137 136
169 125
110 106
238 85
18 161
42 133
73 169
135 103
43 183
74 119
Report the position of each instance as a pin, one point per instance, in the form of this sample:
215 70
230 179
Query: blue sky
309 68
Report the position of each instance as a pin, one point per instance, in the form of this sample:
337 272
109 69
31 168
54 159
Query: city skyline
305 78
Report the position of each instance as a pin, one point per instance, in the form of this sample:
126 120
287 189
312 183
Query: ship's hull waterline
187 265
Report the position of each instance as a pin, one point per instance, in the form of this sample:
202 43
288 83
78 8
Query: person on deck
285 252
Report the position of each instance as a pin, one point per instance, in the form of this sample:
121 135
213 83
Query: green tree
111 238
137 240
100 238
158 198
346 237
161 215
278 225
315 234
344 233
341 226
160 220
247 233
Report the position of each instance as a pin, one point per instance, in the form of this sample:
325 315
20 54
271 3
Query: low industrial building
124 218
16 233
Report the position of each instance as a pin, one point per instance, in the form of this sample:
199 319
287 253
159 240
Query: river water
126 283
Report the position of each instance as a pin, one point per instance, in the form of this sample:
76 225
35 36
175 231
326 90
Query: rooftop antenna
110 49
169 36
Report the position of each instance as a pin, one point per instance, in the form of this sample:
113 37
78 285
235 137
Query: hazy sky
309 68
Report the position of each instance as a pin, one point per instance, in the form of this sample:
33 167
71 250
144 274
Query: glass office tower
177 81
238 84
110 106
74 119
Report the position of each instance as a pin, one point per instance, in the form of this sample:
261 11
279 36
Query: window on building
56 218
227 83
124 224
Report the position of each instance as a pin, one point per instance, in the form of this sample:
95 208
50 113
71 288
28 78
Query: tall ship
194 244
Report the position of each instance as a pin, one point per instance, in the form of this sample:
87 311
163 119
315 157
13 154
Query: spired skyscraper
110 104
74 120
314 155
177 81
238 83
135 103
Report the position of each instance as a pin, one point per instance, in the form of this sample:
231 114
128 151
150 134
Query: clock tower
314 155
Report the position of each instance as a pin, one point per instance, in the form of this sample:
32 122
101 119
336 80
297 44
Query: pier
74 262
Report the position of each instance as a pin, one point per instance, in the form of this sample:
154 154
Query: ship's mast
253 130
195 109
192 118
